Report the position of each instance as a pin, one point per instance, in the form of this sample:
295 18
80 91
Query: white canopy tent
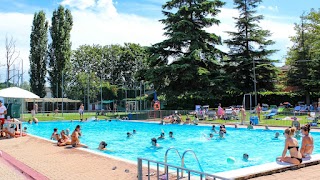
18 93
15 92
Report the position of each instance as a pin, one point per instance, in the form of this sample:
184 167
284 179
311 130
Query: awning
15 92
107 101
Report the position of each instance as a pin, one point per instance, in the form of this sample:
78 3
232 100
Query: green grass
275 121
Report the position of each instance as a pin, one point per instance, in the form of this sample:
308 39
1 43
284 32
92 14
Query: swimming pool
212 154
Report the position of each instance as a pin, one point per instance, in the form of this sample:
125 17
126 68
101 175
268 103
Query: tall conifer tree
186 64
249 49
38 52
59 53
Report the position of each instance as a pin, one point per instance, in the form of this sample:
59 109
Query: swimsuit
299 159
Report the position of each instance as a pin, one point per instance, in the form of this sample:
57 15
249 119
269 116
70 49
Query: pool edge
267 169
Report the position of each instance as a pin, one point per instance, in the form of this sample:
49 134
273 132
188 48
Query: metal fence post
139 169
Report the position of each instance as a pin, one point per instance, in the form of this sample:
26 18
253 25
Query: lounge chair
272 113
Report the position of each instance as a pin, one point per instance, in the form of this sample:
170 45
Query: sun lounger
271 114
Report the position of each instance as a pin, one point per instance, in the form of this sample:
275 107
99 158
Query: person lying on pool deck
292 145
64 140
307 141
5 132
75 141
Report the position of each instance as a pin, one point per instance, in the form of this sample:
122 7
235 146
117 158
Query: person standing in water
81 111
307 141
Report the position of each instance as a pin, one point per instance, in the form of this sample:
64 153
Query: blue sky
118 21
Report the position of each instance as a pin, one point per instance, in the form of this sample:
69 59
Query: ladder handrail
166 155
195 156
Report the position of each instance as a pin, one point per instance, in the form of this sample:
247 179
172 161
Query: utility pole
255 83
62 92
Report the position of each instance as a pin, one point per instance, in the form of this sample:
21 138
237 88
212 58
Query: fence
174 173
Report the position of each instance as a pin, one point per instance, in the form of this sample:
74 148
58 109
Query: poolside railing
172 174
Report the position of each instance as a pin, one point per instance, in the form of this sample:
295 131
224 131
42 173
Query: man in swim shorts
3 111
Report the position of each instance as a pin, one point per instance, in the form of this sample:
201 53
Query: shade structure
15 92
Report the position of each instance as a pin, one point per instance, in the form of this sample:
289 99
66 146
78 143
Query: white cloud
17 26
104 25
270 8
81 4
99 22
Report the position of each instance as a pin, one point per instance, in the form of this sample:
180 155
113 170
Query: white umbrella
15 92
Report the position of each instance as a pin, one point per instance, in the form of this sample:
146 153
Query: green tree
59 52
111 66
186 65
38 54
249 47
304 57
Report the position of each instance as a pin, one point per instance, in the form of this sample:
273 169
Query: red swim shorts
2 120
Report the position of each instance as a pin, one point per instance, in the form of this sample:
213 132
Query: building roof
54 100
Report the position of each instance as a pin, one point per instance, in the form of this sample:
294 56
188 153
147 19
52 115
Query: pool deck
51 162
42 159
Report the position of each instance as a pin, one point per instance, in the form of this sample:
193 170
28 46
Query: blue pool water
212 154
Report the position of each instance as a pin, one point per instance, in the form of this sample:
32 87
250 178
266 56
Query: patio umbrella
15 92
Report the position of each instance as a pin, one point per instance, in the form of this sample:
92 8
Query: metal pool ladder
194 155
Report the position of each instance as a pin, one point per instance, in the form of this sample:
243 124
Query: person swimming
245 157
134 131
276 135
266 128
214 129
221 134
161 136
129 134
154 142
171 135
210 136
102 145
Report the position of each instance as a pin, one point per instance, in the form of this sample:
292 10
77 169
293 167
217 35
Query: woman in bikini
64 140
292 145
75 141
307 141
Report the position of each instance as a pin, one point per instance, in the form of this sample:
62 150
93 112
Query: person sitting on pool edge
55 135
307 141
75 141
154 142
292 145
161 136
250 125
64 140
196 120
171 135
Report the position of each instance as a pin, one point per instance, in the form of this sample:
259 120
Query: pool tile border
267 169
